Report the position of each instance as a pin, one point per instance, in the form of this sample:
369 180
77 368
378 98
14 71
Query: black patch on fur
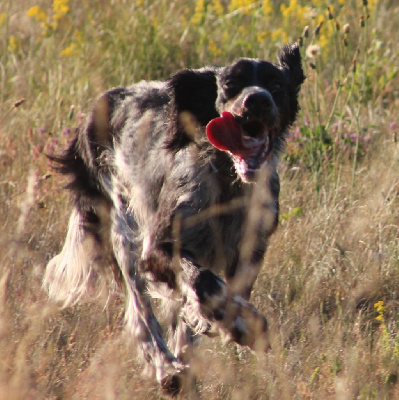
219 314
83 182
159 265
207 284
194 92
91 217
237 335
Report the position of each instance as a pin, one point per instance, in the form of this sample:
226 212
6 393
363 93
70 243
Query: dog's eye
275 87
231 85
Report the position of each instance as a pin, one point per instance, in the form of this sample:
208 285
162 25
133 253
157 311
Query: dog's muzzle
245 130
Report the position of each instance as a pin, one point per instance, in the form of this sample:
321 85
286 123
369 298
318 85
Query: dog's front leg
209 304
261 222
140 319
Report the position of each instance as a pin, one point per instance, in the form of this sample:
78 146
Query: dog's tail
86 261
87 246
67 274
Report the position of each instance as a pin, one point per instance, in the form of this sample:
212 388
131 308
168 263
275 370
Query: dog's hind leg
181 341
181 337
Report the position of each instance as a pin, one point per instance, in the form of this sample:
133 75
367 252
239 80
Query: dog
174 185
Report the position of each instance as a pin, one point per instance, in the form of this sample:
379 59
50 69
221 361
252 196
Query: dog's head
247 107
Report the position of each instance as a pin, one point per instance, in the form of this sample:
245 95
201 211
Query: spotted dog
175 194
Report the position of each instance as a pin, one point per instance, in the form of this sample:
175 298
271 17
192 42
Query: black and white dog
174 184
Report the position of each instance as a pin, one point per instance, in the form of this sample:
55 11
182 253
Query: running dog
173 186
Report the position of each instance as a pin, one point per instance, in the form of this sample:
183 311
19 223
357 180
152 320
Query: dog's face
246 107
257 101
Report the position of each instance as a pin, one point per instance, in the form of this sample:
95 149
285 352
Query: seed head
313 51
318 27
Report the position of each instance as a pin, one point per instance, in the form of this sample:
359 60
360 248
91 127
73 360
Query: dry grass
335 256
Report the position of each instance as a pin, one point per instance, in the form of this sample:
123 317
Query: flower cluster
244 6
380 309
75 47
49 21
14 44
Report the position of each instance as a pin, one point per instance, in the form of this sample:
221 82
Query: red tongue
225 134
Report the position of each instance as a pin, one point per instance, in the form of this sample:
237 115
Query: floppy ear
193 94
290 60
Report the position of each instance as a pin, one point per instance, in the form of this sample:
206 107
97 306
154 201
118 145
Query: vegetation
330 283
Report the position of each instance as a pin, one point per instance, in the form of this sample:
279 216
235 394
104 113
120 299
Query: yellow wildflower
267 8
286 11
295 11
60 8
154 21
37 13
379 307
279 35
199 12
14 44
243 5
2 18
217 7
67 51
324 40
71 50
75 48
319 3
261 36
49 27
33 11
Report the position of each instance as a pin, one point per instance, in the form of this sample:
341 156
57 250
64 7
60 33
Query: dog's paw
245 324
183 384
172 385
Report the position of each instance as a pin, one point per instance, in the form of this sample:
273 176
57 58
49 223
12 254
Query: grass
330 283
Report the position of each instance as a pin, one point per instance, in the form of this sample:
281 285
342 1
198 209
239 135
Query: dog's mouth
249 142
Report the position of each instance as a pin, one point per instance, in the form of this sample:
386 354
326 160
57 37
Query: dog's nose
259 104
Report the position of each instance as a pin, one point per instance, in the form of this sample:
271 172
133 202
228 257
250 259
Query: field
330 281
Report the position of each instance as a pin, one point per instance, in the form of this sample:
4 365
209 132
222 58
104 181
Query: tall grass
330 281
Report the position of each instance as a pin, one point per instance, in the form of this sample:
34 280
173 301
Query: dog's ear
195 91
290 60
193 96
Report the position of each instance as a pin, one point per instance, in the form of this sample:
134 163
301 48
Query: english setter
174 184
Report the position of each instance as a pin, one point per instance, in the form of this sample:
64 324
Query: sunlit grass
330 281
